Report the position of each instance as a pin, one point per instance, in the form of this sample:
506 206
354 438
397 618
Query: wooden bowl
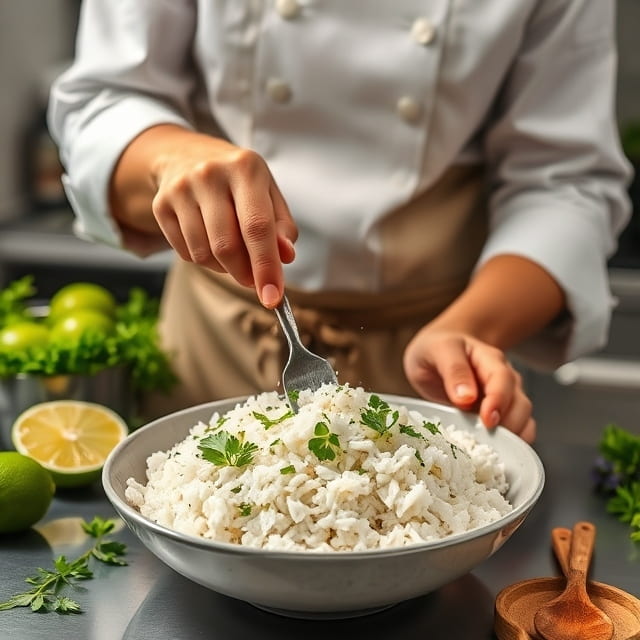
517 604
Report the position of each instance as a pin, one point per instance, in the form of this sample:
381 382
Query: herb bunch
46 593
616 476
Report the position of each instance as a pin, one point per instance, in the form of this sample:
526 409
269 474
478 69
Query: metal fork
303 370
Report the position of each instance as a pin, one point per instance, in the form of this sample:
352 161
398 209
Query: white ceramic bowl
332 585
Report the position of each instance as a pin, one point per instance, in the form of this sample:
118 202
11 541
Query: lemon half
69 438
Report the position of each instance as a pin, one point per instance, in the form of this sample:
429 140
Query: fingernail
269 295
494 419
464 392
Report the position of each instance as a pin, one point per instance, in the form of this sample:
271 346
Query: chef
436 184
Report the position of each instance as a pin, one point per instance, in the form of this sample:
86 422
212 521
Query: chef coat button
287 9
278 90
423 31
409 109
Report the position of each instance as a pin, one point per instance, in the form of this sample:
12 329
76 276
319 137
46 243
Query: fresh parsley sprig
226 450
376 415
325 445
46 593
617 476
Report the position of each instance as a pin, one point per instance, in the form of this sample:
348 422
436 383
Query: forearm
509 299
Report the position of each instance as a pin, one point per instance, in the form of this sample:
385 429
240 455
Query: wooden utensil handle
582 543
561 542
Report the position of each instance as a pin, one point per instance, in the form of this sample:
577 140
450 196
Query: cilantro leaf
325 445
376 415
224 449
268 422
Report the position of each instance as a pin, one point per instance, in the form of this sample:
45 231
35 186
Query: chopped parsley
325 445
409 431
226 450
376 416
268 422
288 469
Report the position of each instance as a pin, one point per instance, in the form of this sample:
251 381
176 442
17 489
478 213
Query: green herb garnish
286 470
409 431
431 427
245 509
226 450
325 445
46 594
268 422
376 416
617 476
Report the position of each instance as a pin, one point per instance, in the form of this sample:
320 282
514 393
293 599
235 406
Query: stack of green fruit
74 310
85 330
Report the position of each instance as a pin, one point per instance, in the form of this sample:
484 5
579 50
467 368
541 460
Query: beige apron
225 344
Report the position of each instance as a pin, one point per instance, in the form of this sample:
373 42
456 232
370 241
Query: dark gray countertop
148 600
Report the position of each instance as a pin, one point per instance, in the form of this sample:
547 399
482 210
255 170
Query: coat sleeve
132 70
558 177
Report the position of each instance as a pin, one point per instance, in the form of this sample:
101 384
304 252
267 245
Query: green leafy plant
226 450
133 345
13 299
48 585
617 476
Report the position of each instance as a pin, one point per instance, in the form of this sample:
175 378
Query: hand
455 368
218 206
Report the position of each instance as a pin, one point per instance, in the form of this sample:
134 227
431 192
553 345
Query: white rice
415 482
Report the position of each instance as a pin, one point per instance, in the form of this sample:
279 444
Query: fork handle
288 322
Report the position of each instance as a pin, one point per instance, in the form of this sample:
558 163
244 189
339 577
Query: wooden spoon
561 542
572 615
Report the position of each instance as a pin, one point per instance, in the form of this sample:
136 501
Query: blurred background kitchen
36 42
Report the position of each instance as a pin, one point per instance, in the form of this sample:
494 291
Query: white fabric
525 87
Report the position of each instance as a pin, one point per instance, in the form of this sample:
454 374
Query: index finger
257 223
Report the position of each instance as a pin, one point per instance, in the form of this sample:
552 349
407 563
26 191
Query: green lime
76 323
81 295
26 491
22 335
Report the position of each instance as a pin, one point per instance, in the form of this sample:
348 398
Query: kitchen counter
146 599
47 238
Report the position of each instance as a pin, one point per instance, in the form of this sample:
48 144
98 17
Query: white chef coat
357 107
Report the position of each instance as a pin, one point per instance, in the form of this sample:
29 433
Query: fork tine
303 370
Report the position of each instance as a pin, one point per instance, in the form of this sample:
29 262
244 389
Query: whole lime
22 335
77 323
26 491
81 295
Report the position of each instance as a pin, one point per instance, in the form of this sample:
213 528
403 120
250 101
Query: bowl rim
516 515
